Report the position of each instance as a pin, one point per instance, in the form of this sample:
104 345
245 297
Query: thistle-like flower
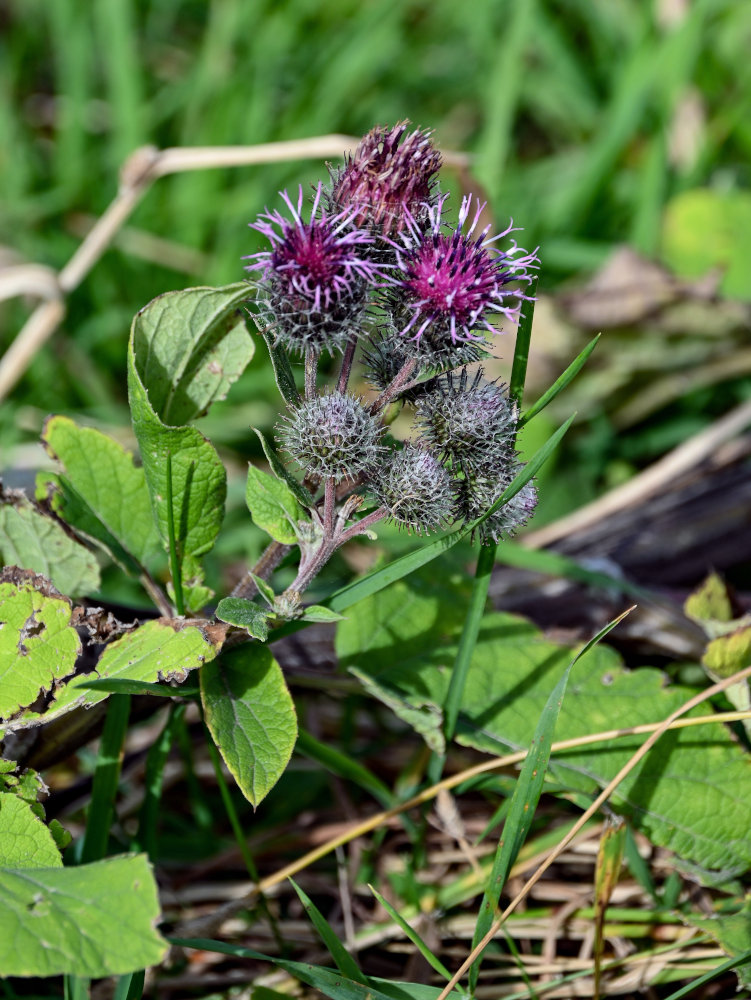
390 176
470 423
477 494
332 436
450 283
416 489
315 283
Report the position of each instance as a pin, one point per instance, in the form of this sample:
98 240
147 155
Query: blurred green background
593 124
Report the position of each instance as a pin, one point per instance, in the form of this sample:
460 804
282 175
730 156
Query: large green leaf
101 493
25 841
32 540
692 793
162 649
251 716
190 346
37 643
181 464
94 920
272 505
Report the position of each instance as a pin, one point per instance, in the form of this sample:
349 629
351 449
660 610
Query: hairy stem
270 559
347 360
396 386
311 371
362 525
329 503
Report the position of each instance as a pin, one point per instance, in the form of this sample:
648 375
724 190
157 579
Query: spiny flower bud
477 494
416 489
449 283
391 174
473 424
332 436
315 282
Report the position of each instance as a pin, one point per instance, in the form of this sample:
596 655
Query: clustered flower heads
376 263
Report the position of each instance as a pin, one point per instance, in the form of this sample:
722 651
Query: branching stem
397 385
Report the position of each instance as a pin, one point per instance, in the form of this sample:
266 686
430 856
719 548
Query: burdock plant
372 264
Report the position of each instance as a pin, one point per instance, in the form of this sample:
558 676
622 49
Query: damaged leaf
38 646
162 649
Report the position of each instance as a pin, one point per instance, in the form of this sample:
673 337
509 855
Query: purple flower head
315 282
449 284
390 176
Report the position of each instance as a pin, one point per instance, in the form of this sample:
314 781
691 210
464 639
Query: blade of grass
468 640
153 778
328 981
524 801
521 347
344 766
690 989
607 872
76 987
106 777
342 958
560 383
174 562
414 937
130 987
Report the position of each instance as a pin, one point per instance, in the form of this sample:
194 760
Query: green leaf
190 346
733 934
330 982
406 644
705 229
345 765
94 920
710 602
281 472
318 613
283 374
728 654
434 962
251 717
342 958
101 493
162 649
244 614
38 646
560 383
264 589
25 841
198 485
273 506
32 540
